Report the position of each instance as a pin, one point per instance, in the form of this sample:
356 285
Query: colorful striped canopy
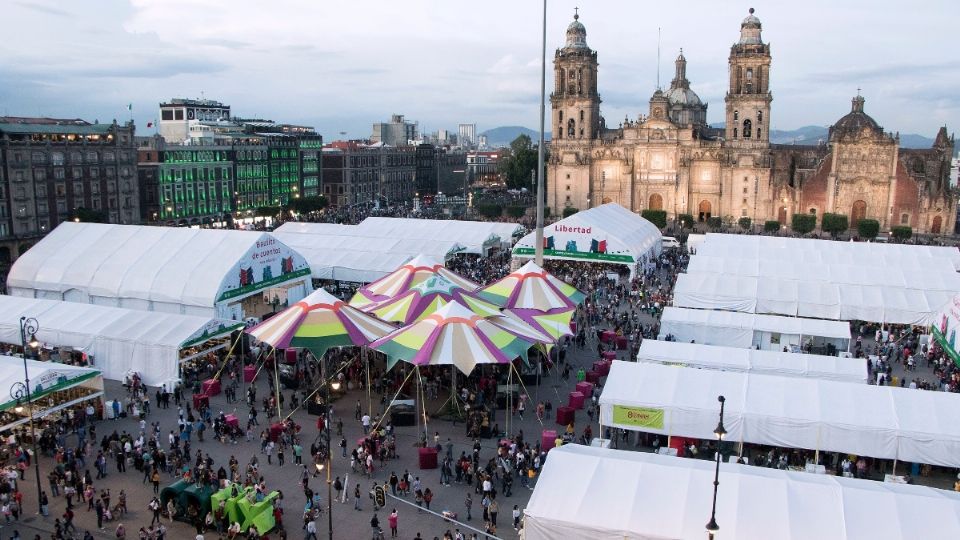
532 287
426 298
417 270
455 335
554 323
318 322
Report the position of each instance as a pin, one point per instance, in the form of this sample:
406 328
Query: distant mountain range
504 135
814 134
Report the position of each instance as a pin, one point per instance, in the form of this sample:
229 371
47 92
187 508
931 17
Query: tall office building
467 135
396 132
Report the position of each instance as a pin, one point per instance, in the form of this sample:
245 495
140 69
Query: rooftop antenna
658 58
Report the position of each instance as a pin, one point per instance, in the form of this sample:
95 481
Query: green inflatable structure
240 508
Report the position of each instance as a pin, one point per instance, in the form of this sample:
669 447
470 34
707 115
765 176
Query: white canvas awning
589 493
477 236
812 366
747 330
46 380
169 269
877 421
120 339
608 233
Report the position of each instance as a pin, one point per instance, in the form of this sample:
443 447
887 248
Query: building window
77 172
568 187
91 157
743 212
736 116
39 175
745 190
813 211
38 157
905 219
568 176
78 189
734 133
744 201
747 127
57 159
41 191
59 174
568 198
60 189
759 116
758 133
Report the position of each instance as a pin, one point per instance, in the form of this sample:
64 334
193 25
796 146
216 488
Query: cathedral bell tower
748 99
575 102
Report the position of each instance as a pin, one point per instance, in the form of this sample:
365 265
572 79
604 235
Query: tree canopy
516 165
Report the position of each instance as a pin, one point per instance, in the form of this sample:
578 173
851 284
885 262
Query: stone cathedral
670 159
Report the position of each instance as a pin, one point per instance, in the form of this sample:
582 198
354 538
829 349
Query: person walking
392 520
468 502
356 498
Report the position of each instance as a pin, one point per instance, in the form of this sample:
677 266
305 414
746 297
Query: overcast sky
342 65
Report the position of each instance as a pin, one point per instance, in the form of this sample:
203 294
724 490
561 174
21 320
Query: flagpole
540 149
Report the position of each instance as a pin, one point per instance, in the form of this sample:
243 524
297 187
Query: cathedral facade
670 159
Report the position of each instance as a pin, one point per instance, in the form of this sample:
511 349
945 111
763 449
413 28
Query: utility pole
540 149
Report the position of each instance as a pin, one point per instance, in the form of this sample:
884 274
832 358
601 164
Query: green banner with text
585 255
647 417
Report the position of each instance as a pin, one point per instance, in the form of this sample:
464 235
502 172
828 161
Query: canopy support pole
366 363
894 467
276 382
509 398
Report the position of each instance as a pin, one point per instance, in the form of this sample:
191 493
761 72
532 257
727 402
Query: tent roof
71 324
877 421
190 267
476 236
586 493
44 376
629 237
823 251
750 321
814 366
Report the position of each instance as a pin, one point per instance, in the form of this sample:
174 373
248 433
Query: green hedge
490 210
745 223
715 222
803 223
902 232
834 223
657 217
569 211
685 220
771 226
516 211
867 229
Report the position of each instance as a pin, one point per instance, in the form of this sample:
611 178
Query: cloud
45 9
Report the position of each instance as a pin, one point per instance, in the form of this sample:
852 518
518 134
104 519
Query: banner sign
579 242
647 417
270 262
945 327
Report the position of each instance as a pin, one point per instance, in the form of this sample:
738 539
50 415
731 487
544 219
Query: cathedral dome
750 30
751 20
684 97
855 122
576 35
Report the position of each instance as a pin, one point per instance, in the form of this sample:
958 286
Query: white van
669 242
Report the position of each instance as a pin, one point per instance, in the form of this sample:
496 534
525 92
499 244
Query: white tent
810 298
351 256
608 233
944 328
46 380
877 421
747 330
589 493
477 237
203 272
120 340
813 366
823 251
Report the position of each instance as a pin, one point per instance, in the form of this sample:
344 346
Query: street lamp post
712 526
540 149
21 391
335 385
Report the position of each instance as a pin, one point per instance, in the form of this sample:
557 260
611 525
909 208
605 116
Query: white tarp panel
120 339
589 493
825 251
877 421
476 236
809 298
168 269
813 366
745 330
608 233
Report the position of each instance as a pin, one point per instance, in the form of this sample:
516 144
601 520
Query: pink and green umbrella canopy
318 322
426 298
409 275
532 287
455 335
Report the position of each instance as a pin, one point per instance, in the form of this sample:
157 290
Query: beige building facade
670 159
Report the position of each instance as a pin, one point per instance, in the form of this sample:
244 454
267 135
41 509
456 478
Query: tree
771 226
834 224
745 223
685 220
569 211
657 217
803 223
267 211
490 210
867 229
516 211
305 205
517 164
87 215
901 232
715 222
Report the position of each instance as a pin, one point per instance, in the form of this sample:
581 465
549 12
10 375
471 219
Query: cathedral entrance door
704 211
782 215
858 212
935 227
